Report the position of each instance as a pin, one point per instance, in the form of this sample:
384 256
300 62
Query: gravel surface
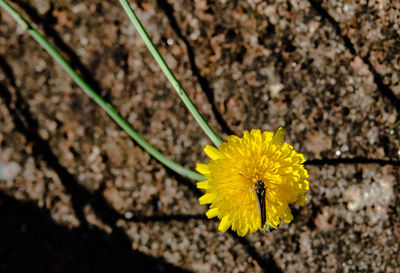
78 195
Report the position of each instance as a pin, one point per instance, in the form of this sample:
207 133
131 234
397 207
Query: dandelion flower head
233 171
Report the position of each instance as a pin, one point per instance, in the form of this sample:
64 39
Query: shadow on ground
33 242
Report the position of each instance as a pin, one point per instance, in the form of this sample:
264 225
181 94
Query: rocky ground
78 195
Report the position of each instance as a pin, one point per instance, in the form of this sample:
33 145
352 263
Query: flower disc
233 171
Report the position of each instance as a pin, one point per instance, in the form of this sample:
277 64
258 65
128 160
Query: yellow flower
233 171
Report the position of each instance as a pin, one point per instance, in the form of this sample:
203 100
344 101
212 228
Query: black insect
259 191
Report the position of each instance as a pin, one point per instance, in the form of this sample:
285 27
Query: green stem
99 100
170 76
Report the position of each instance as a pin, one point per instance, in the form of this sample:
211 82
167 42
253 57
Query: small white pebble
40 66
128 215
346 7
8 171
79 8
392 132
338 153
170 41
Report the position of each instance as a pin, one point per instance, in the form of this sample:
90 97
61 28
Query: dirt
78 195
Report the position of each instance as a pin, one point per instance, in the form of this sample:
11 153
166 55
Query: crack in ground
355 160
205 86
378 79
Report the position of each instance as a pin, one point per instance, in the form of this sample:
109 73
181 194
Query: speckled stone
87 198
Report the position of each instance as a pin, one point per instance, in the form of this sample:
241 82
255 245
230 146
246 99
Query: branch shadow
28 126
33 235
41 150
266 264
74 60
166 218
185 182
33 242
205 86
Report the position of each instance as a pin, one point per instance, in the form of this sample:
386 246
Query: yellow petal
212 213
233 139
225 224
203 168
212 152
242 232
286 214
255 132
207 198
278 137
267 136
202 185
301 200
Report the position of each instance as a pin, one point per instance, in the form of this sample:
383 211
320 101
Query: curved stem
98 99
170 76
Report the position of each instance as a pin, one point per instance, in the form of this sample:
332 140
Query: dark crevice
355 160
325 15
378 79
205 86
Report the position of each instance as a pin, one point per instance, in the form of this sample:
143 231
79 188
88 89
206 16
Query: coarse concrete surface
78 195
